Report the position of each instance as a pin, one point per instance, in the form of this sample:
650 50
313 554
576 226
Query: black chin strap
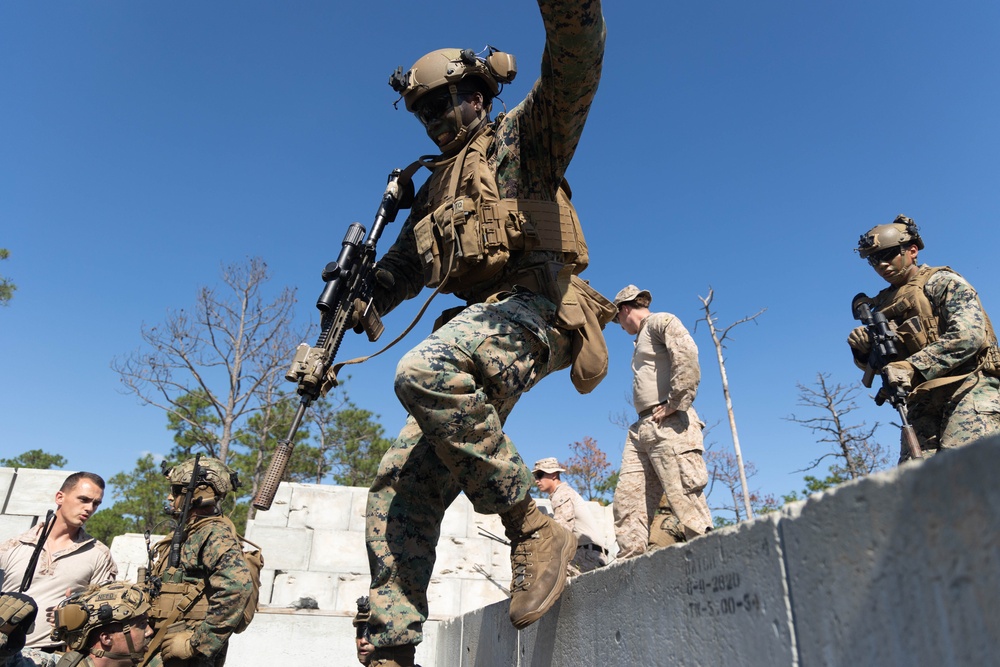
133 656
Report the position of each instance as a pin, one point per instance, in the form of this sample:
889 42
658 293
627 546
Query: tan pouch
585 311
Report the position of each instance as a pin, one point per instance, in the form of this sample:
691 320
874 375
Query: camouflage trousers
946 418
458 387
665 459
29 657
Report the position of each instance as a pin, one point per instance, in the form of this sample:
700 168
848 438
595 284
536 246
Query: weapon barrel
279 463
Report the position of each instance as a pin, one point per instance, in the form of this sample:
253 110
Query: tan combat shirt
665 363
570 510
86 562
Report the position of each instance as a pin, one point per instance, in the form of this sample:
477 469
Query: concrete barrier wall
26 494
902 568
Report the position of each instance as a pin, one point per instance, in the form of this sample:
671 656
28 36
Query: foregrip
275 471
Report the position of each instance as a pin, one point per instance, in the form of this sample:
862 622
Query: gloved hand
354 319
178 646
901 374
17 614
860 342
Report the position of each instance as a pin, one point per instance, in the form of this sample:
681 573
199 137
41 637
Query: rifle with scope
883 351
345 303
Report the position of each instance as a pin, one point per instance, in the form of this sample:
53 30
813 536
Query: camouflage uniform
460 384
212 554
665 458
964 411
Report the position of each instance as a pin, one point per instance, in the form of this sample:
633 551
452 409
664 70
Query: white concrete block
456 518
477 593
278 514
266 586
129 552
290 586
483 638
457 556
338 551
444 598
283 548
349 589
320 508
34 491
12 525
284 637
6 479
722 597
359 503
902 567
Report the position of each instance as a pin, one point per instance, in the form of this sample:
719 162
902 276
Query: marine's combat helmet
447 67
213 475
98 606
901 231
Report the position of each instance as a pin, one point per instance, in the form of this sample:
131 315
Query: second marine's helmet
446 67
901 231
212 474
96 607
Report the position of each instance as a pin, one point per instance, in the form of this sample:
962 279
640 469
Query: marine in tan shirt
570 511
664 453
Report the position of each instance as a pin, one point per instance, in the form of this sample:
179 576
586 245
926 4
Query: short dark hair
77 477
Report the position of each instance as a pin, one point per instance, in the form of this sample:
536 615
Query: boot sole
569 550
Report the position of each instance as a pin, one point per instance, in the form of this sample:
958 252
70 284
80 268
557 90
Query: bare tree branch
232 349
853 444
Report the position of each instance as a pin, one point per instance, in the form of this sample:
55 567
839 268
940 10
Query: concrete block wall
26 494
901 568
313 544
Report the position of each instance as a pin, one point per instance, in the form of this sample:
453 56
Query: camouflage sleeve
962 326
682 354
229 588
543 131
402 261
562 509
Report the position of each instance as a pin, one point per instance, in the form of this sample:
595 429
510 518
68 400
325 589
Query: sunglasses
886 255
433 108
539 475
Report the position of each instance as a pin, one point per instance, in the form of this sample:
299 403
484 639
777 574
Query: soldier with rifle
200 577
493 224
57 558
933 344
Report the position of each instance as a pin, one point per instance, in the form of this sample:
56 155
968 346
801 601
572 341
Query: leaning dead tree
853 444
719 337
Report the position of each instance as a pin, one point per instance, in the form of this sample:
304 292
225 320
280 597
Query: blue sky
742 145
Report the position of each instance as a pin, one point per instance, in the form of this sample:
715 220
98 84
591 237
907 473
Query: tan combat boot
540 550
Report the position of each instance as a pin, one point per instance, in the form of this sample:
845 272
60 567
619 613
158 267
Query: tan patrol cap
631 293
550 464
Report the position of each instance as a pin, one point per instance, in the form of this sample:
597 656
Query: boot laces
520 561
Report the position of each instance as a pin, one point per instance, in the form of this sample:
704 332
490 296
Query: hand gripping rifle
884 351
350 280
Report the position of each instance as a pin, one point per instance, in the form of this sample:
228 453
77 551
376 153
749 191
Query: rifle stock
350 283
